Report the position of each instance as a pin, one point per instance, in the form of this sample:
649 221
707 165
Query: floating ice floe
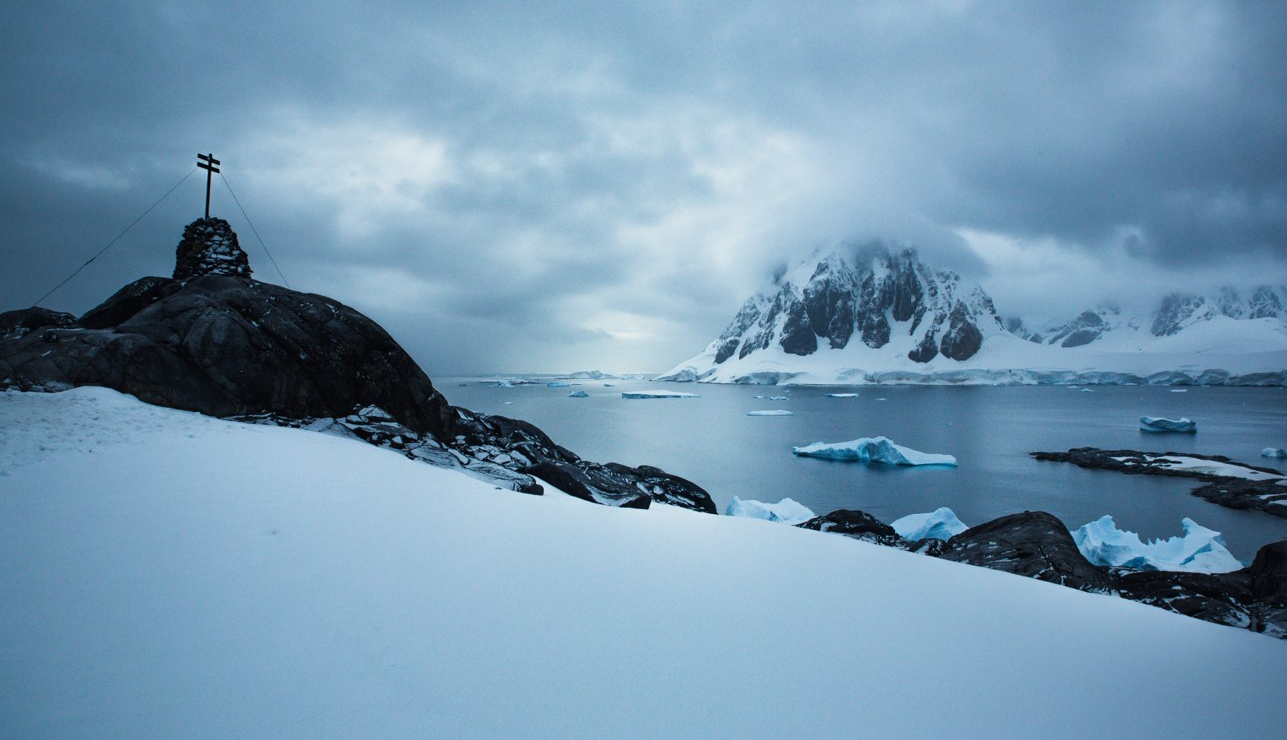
1273 452
556 384
940 524
1198 550
657 394
873 450
772 412
1179 390
788 511
1159 424
842 395
578 394
777 398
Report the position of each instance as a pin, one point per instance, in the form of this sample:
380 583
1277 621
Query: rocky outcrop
214 341
1037 545
1179 310
20 323
1033 544
225 346
1266 494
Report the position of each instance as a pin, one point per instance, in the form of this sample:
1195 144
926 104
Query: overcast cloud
559 186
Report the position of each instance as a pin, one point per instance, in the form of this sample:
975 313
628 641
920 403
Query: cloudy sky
550 186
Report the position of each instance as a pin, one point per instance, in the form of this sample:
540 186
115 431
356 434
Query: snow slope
168 575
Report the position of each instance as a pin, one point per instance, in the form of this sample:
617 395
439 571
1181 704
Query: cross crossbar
208 163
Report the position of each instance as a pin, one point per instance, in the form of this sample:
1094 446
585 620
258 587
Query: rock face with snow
878 315
214 341
871 298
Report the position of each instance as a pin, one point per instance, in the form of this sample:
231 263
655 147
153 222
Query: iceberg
1158 424
773 412
1273 452
657 394
788 511
556 384
578 394
873 450
842 395
1198 550
940 524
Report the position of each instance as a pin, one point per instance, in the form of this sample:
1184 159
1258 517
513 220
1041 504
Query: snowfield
168 575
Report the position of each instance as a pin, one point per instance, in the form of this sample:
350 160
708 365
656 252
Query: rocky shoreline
1037 545
1227 482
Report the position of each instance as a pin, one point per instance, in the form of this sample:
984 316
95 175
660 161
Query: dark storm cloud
555 185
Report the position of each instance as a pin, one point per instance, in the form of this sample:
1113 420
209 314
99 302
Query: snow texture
873 450
169 575
787 510
940 524
1198 550
1159 424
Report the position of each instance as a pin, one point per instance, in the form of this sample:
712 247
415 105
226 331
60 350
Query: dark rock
1222 599
1033 544
963 339
209 247
226 346
1268 574
1235 493
856 524
797 334
20 323
926 350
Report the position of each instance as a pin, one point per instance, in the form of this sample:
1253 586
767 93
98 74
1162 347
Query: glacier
787 511
873 450
1159 424
940 524
1198 550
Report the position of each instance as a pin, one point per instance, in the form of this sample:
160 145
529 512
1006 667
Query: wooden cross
208 163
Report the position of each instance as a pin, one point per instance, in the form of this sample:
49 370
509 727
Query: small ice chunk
873 450
657 394
940 524
788 511
842 395
1179 390
578 394
1198 550
777 398
1159 424
556 384
1273 452
772 412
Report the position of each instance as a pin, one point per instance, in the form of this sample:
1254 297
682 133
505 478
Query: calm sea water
711 441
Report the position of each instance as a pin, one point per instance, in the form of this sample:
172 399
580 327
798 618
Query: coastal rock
1033 544
1228 482
855 524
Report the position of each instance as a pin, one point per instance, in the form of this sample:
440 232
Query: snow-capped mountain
877 299
882 315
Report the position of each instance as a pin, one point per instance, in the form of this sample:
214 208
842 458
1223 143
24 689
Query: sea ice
657 394
1198 550
940 524
578 394
788 510
1273 452
873 450
773 412
1159 424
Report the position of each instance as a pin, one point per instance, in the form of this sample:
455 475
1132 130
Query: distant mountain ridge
880 314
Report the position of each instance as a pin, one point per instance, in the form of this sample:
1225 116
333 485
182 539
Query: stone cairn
210 247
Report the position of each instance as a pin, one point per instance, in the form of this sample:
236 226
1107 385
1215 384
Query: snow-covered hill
166 574
880 316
